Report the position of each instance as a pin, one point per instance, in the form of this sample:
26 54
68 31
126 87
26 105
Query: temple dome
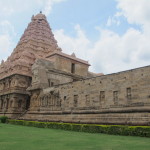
39 16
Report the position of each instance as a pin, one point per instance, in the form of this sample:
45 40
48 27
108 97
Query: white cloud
7 10
48 4
136 12
7 28
113 21
7 34
5 46
111 52
79 44
8 7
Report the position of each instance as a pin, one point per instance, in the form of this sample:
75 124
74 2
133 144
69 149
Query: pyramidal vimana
40 82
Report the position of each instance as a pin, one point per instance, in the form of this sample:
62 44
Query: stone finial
8 59
58 49
32 17
2 62
73 55
40 16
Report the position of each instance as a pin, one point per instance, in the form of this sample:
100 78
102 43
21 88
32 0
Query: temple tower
36 42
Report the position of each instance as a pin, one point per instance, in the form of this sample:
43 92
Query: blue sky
113 35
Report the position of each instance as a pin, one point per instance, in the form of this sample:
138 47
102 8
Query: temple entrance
28 103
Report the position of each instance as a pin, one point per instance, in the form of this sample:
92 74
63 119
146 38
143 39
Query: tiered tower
15 73
36 42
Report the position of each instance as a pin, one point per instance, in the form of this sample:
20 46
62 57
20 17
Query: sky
113 35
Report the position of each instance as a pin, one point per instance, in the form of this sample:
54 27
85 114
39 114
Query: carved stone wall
44 75
69 63
121 90
123 97
13 103
45 102
14 83
60 89
13 95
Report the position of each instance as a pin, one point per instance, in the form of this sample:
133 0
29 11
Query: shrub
41 124
12 121
77 127
54 125
89 128
28 123
143 131
94 128
67 126
3 119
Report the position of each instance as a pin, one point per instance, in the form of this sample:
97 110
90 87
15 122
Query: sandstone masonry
40 82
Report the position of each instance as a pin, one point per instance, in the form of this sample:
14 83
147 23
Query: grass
14 137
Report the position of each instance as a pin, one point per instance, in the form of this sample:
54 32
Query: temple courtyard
14 137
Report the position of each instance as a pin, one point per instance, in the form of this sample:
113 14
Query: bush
143 131
94 128
3 119
67 126
77 127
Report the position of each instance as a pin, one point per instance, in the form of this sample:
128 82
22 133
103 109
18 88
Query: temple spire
36 42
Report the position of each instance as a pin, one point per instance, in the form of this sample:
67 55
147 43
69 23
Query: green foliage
77 127
3 119
94 128
19 137
143 131
66 126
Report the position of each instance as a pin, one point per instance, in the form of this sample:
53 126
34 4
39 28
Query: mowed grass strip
14 137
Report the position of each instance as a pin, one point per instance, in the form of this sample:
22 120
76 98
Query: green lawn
14 137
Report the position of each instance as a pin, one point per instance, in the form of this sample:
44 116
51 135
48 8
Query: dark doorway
72 68
28 103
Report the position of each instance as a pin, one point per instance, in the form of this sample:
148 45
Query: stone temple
40 82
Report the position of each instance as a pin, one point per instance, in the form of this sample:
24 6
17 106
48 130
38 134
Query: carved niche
13 82
23 83
35 99
1 86
51 100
